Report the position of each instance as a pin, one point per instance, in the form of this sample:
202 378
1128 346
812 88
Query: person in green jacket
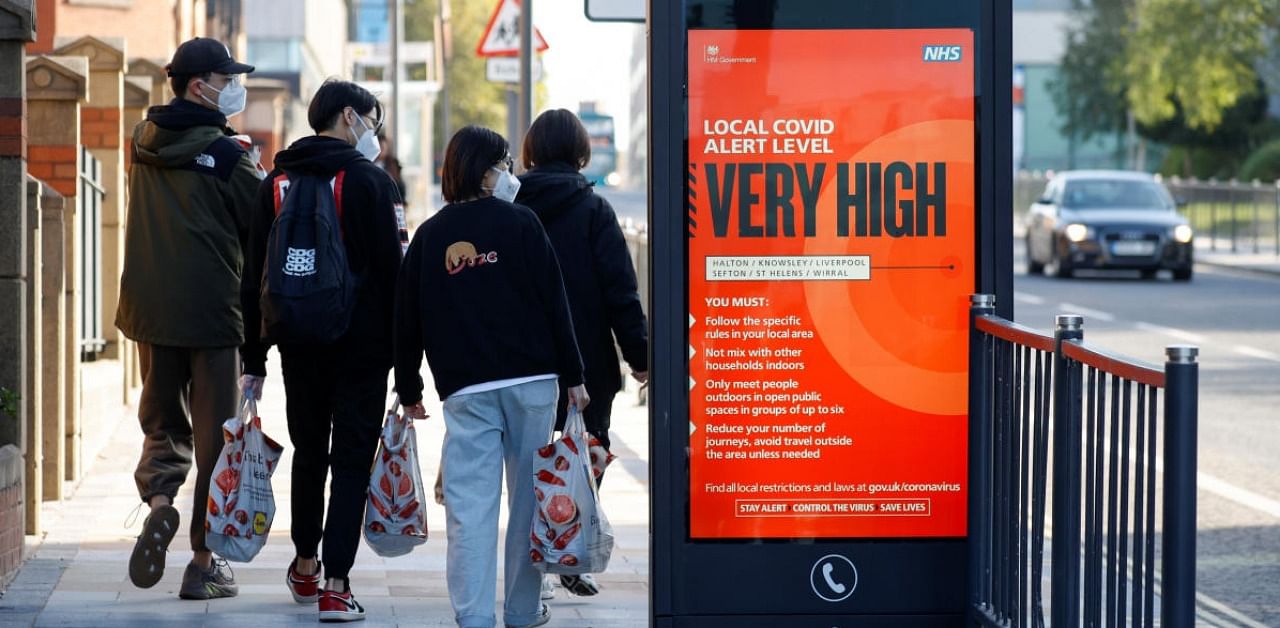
191 188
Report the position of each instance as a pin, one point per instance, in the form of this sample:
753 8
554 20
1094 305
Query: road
1235 320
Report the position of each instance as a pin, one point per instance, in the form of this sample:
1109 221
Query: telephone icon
827 569
833 578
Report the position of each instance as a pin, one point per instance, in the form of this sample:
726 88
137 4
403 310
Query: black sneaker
146 564
215 582
583 585
544 616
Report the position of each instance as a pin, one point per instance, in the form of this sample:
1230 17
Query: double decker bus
603 169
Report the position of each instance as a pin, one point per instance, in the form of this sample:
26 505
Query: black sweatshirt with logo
480 293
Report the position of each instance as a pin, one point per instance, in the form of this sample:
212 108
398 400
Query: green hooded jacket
191 189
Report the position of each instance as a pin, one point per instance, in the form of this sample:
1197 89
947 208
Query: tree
1195 59
1090 87
471 98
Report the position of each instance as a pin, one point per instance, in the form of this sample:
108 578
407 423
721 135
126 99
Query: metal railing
89 199
1229 215
1052 418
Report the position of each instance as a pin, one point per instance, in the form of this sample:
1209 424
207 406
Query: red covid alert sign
831 238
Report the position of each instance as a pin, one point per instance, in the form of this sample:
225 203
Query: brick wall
13 127
100 127
56 166
11 526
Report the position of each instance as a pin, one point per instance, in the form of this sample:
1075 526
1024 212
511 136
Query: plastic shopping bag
600 457
241 504
395 518
570 532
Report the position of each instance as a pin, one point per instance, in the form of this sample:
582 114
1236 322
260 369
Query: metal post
980 505
1231 192
513 121
526 71
1178 560
1066 476
397 36
1255 224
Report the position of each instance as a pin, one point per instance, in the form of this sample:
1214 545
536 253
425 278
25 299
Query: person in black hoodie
480 293
339 387
598 275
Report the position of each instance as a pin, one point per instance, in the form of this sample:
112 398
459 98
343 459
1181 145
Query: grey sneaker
146 563
217 581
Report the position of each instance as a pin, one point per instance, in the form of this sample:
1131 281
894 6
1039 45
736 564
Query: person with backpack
598 275
190 190
480 294
325 244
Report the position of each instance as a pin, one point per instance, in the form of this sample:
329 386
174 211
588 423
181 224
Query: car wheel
1033 267
1149 273
1182 274
1057 267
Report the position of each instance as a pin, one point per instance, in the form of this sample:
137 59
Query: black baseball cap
202 54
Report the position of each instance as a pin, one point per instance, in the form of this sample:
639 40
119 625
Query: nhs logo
941 53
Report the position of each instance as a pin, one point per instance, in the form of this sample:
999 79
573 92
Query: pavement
1218 254
76 574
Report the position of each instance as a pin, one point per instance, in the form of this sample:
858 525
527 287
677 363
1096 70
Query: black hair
470 154
336 95
178 82
556 136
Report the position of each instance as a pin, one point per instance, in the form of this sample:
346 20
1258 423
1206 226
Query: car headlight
1183 233
1077 232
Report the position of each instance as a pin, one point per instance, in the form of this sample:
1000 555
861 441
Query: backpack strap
280 185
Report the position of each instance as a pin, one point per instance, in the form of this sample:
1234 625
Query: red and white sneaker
336 606
304 589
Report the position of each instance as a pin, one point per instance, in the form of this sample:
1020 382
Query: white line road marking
1244 620
1256 353
1071 308
1173 332
1242 496
1029 299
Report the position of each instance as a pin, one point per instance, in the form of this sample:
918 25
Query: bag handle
395 405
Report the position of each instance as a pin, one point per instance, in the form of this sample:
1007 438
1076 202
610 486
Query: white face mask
507 185
231 98
367 143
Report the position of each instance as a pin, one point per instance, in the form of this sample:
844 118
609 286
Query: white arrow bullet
692 428
691 382
692 320
692 351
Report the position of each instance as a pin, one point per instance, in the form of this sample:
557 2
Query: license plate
1133 248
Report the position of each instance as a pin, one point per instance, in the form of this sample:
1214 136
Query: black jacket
598 273
372 224
480 292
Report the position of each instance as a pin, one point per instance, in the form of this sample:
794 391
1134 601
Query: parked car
1108 220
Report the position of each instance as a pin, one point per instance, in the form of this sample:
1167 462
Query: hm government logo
942 54
711 54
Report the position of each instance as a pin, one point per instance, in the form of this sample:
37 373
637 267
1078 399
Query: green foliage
9 402
1194 58
1090 87
1200 162
470 97
1263 164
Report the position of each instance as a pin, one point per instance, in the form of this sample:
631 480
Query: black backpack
308 290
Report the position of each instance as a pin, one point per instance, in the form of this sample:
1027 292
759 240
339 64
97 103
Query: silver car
1107 219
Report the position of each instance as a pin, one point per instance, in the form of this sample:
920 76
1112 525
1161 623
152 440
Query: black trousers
187 393
326 396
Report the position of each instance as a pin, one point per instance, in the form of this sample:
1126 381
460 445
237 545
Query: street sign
507 69
502 35
615 10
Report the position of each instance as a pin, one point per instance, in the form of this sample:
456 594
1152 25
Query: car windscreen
1115 194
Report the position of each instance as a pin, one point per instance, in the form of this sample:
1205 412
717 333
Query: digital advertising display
831 234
